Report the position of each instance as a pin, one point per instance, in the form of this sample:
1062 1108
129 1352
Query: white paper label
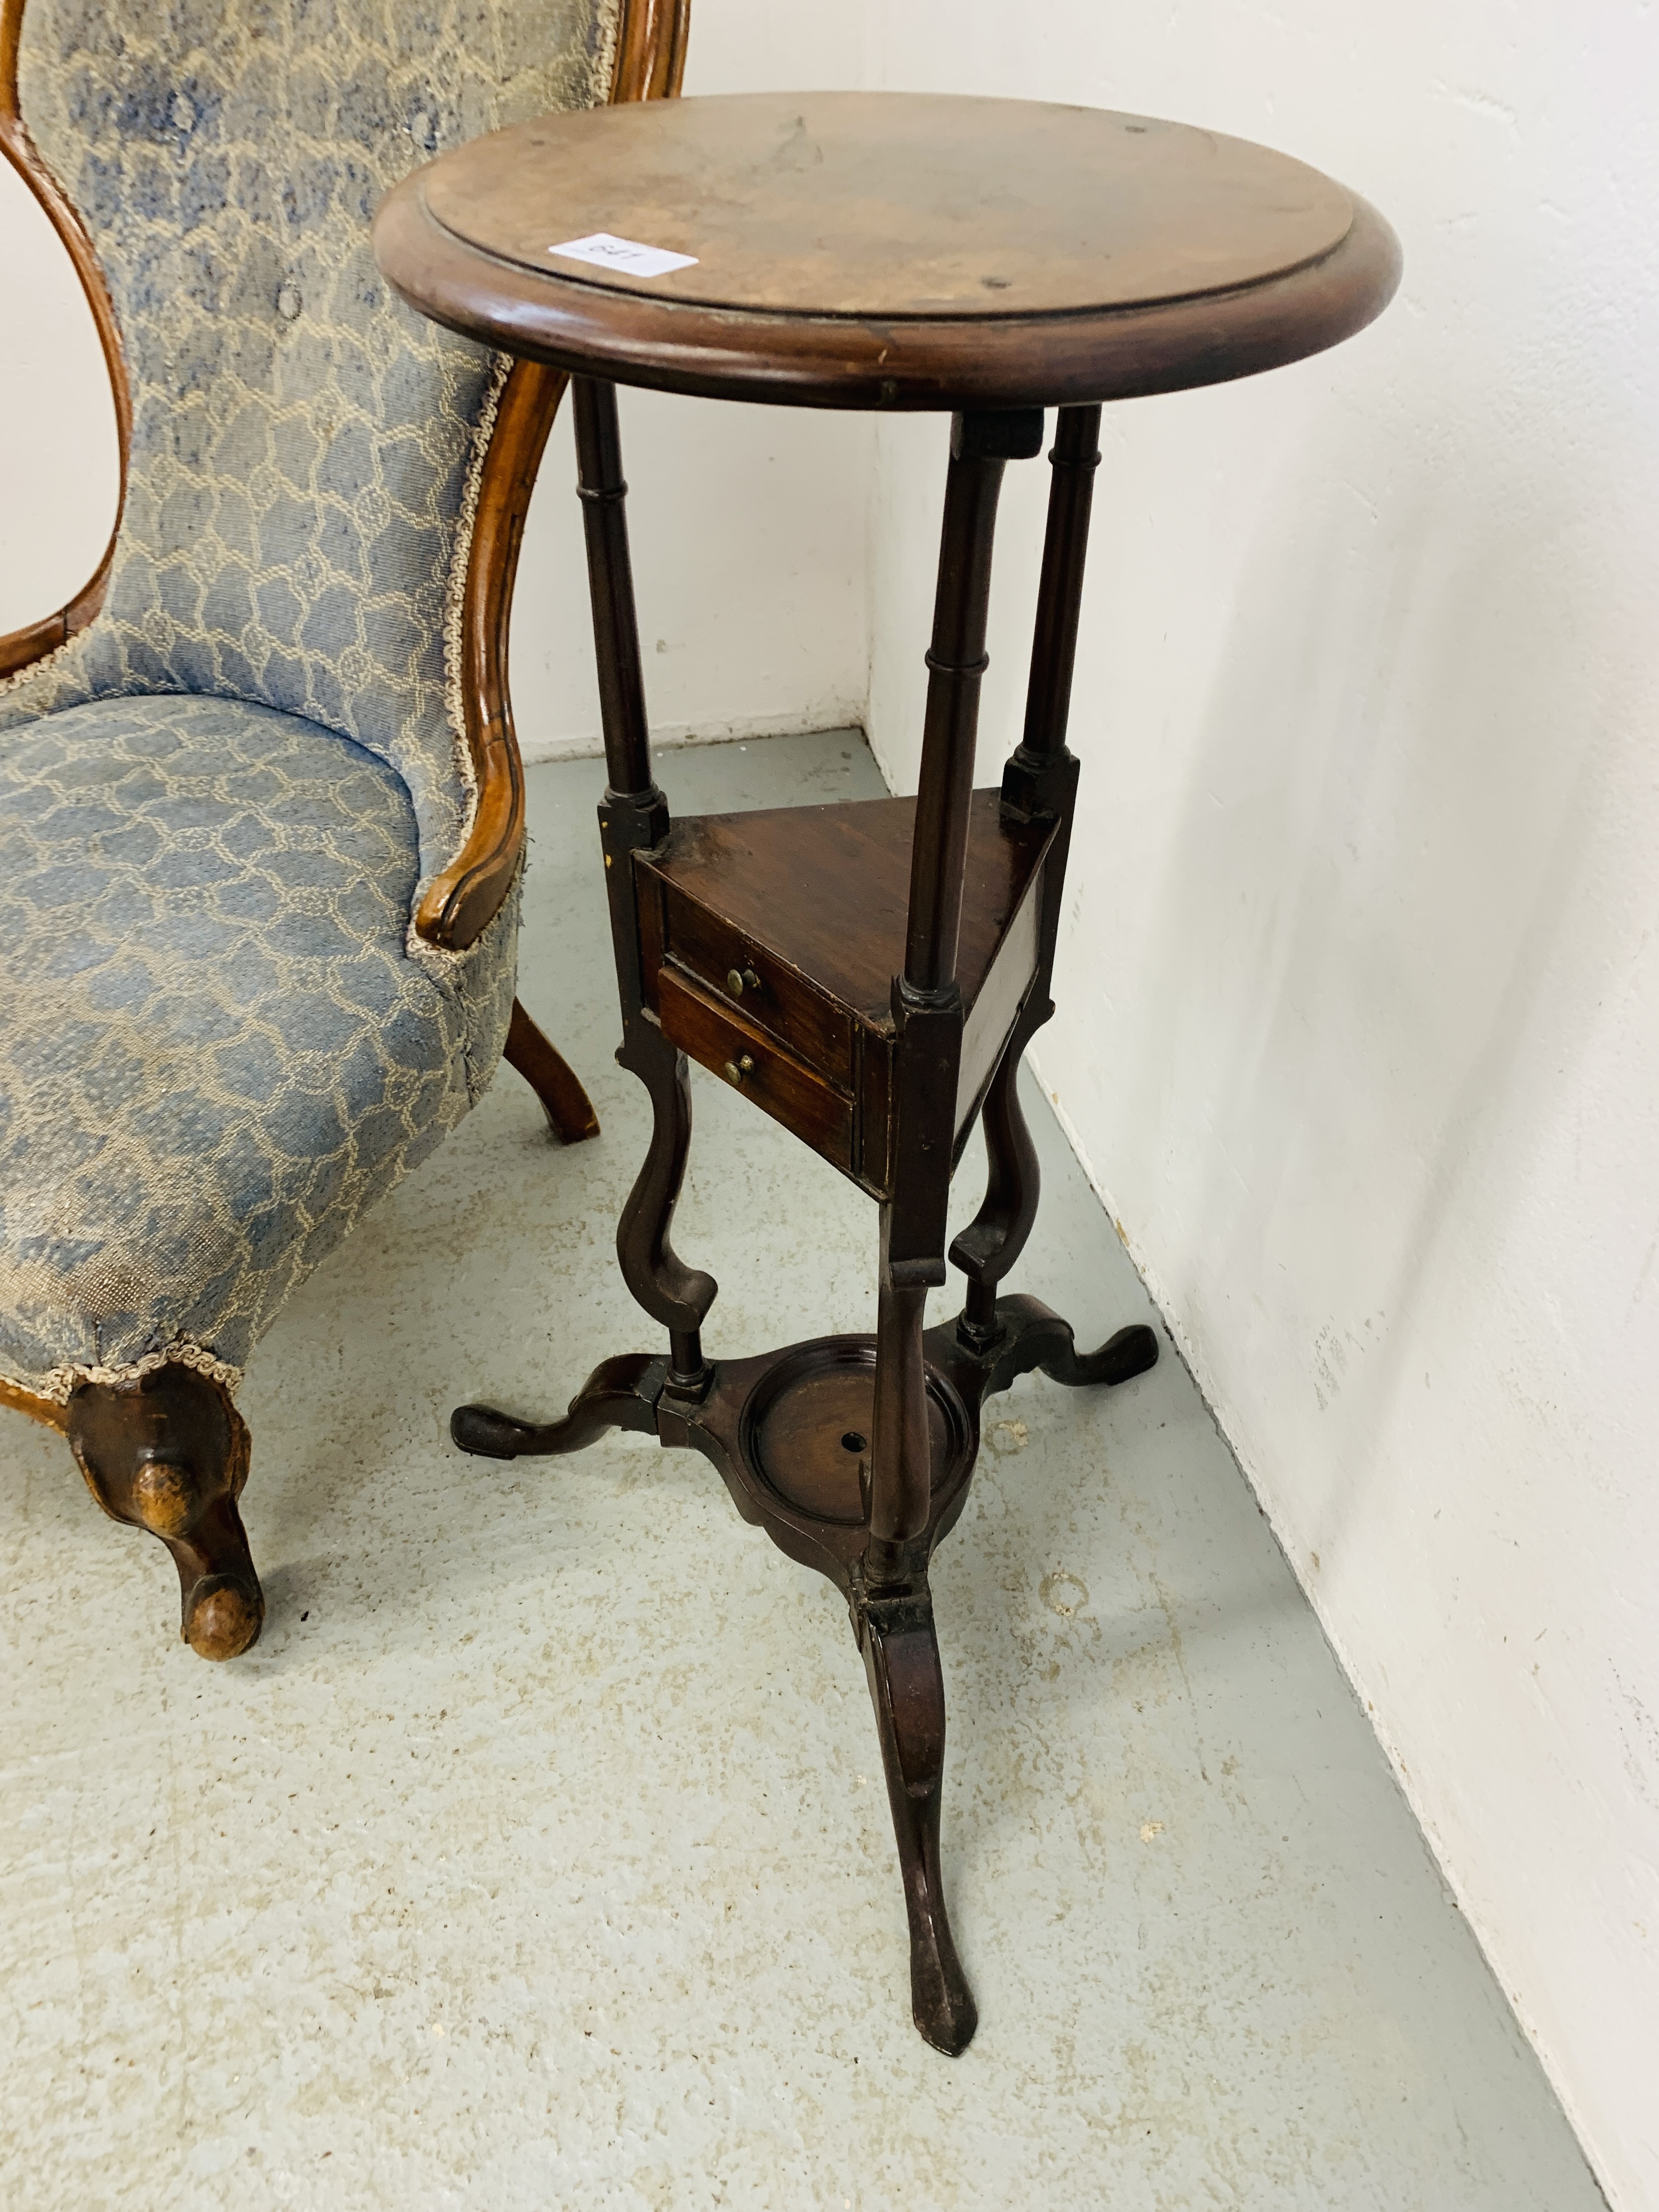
624 254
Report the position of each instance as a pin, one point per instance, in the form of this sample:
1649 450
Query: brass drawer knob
739 980
737 1069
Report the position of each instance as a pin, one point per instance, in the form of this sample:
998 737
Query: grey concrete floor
539 1855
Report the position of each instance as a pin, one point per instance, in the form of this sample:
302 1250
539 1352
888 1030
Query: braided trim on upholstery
56 1387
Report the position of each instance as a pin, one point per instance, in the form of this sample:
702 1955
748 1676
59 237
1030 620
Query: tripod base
789 1433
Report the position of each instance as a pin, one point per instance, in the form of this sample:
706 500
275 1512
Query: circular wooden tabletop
886 250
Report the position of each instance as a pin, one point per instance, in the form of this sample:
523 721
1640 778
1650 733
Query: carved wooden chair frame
170 1453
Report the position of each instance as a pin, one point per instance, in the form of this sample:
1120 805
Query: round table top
890 250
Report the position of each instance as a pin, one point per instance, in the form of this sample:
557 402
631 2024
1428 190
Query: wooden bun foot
222 1616
169 1453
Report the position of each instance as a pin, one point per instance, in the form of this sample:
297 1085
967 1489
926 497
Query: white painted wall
1361 976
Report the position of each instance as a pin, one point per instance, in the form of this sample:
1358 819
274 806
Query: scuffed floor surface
539 1854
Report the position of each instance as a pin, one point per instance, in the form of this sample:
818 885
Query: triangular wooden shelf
775 935
825 888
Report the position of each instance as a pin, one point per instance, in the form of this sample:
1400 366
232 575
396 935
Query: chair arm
461 902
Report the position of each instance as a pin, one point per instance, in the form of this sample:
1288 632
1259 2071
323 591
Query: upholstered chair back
304 449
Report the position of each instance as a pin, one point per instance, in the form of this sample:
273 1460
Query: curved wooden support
906 1688
461 903
651 46
569 1108
620 1394
169 1453
23 648
670 1292
989 1247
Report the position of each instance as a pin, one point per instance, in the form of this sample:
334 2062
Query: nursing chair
261 806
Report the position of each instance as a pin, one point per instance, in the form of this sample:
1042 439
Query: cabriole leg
169 1453
907 1687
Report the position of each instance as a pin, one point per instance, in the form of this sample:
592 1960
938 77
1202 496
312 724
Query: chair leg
169 1453
568 1106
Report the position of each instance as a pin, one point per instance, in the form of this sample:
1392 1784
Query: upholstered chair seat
217 1046
261 806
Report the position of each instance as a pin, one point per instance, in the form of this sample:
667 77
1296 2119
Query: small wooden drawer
720 1038
737 971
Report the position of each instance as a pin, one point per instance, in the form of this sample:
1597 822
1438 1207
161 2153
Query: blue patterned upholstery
218 806
218 1051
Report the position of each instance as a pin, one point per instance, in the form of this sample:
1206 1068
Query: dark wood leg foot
907 1687
1023 1334
1131 1352
169 1453
620 1394
568 1106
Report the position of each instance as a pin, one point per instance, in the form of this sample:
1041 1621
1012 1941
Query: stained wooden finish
461 901
777 934
570 1110
762 1418
790 1434
823 893
651 49
1040 783
902 1666
891 250
169 1453
981 444
633 819
793 202
885 965
870 975
46 1410
603 490
21 647
1075 457
723 1039
738 964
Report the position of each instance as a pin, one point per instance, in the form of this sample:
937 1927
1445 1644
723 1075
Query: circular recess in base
808 1423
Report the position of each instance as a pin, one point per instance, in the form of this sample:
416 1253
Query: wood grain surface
824 890
891 249
890 203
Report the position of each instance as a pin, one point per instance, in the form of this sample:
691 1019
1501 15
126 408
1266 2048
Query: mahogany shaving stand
869 975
